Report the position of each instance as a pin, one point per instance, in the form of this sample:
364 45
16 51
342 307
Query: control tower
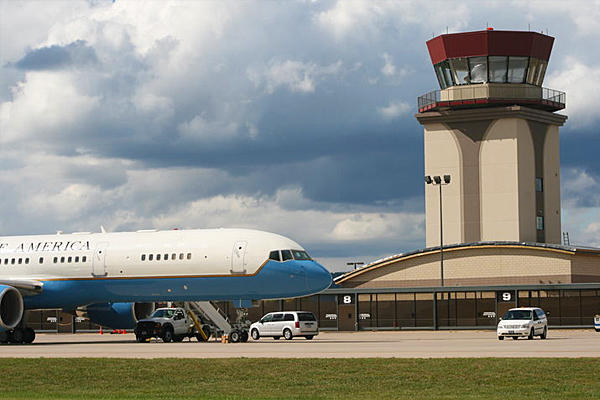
494 129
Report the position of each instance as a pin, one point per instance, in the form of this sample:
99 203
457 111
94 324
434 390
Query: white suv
523 322
287 324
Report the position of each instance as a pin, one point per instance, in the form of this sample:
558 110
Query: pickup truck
169 324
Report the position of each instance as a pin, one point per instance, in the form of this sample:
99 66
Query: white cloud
582 84
388 69
46 104
296 76
394 109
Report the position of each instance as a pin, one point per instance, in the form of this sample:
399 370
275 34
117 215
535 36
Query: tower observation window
478 69
516 69
460 71
498 68
495 69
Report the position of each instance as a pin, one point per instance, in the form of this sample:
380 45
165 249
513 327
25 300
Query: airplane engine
11 307
118 315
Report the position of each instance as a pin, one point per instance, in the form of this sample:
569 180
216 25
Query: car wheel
167 335
530 336
178 338
255 334
500 337
234 336
309 337
276 337
245 336
287 334
207 331
544 334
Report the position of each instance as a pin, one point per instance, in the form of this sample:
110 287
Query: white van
287 324
523 322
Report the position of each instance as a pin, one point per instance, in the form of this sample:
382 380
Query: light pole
439 181
355 264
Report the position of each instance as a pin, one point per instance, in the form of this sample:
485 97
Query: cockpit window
274 255
286 255
300 255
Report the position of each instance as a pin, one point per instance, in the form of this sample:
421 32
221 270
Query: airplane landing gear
18 336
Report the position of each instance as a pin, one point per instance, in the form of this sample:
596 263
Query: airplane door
237 258
99 260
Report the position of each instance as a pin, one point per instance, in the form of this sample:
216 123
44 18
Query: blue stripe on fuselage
274 280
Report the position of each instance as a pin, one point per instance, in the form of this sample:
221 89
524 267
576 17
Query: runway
397 344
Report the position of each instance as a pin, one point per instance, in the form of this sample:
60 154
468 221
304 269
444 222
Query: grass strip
267 378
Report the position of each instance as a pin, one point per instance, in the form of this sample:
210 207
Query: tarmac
381 344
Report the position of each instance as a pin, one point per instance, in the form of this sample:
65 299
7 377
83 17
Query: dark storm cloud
53 57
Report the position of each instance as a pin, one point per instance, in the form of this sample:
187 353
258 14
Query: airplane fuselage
148 266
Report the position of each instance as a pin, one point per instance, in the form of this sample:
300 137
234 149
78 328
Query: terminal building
492 206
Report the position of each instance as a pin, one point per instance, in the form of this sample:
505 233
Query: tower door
99 260
237 257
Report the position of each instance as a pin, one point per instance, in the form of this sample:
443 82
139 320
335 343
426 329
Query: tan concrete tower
493 128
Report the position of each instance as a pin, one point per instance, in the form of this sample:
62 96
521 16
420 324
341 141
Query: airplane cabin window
286 255
173 256
20 261
55 260
274 255
12 261
27 260
181 256
5 261
150 257
189 256
143 257
76 258
41 260
158 257
166 257
62 259
83 258
69 259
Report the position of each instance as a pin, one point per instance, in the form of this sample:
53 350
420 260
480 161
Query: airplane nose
317 277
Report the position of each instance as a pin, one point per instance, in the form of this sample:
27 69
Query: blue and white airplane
117 277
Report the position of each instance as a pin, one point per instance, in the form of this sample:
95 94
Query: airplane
118 276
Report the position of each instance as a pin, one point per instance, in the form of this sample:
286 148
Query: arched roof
569 250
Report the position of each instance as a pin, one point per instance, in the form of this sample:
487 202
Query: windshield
300 255
518 314
163 313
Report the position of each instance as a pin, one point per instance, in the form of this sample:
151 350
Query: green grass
262 378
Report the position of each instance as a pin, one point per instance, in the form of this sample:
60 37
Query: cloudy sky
294 117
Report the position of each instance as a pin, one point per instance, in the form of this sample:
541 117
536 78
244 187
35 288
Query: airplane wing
27 287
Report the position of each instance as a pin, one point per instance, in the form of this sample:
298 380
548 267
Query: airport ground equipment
597 322
171 324
238 332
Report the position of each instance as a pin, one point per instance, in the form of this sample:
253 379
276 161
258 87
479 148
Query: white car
287 324
523 322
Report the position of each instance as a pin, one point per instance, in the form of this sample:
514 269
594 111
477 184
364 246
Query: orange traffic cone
102 333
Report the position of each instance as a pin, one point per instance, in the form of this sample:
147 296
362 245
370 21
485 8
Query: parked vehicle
597 322
169 324
523 322
287 324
